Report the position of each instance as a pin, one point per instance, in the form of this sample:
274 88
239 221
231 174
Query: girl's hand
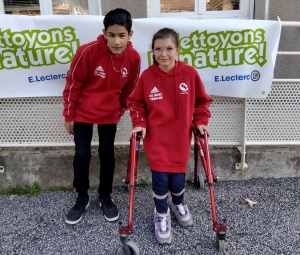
137 129
202 128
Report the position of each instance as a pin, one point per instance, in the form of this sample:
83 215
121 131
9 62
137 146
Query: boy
102 75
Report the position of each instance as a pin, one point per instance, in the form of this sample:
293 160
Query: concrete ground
36 225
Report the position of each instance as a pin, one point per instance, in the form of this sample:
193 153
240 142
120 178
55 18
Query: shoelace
181 210
163 222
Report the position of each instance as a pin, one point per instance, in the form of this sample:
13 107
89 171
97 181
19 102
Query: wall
138 9
259 9
288 10
52 167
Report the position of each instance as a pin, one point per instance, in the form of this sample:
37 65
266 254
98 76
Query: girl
167 101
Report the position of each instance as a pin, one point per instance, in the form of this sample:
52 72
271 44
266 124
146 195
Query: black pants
83 133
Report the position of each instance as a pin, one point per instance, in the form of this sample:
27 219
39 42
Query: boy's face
117 37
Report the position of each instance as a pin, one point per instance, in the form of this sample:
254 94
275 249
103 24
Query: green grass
26 190
144 182
61 188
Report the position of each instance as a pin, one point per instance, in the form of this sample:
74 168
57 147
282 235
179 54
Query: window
202 8
77 7
222 5
176 6
27 7
49 7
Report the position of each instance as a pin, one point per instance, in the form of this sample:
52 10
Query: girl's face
117 38
165 52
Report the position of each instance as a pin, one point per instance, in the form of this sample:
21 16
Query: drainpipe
242 148
267 9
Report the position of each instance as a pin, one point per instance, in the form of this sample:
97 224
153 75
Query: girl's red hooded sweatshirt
167 105
95 92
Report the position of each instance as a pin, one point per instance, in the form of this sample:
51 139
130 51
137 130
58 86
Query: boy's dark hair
163 34
118 17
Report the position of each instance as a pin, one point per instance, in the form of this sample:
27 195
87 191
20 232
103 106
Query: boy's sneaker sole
76 221
108 219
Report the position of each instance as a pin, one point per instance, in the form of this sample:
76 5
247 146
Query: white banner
234 58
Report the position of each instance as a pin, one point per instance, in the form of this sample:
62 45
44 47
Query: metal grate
226 121
32 121
276 118
38 121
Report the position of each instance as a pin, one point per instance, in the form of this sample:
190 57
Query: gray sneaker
163 237
183 219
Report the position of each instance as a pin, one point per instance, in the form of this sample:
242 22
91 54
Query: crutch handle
199 134
139 135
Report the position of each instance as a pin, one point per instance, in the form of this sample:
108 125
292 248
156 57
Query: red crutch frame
129 247
201 150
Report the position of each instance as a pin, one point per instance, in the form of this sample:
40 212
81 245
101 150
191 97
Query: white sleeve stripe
136 79
68 112
138 73
137 76
137 114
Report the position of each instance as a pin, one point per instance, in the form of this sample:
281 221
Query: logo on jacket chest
124 72
155 95
184 88
99 72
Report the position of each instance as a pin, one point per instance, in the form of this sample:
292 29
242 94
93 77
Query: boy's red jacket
167 105
95 92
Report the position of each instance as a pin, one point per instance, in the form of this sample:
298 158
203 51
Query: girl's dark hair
163 34
119 17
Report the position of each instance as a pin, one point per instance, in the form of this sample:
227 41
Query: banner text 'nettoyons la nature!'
28 48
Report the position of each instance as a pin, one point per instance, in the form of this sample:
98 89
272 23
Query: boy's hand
202 128
69 127
137 129
121 113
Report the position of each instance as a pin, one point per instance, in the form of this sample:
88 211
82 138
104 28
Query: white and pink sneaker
182 214
162 224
